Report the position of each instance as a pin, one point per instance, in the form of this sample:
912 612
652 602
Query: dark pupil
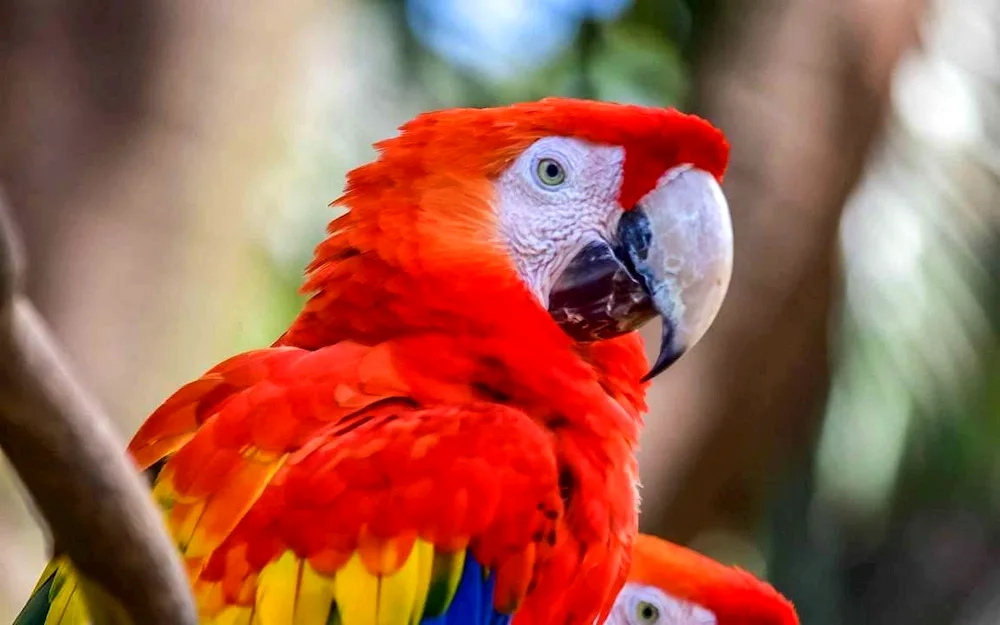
647 612
551 170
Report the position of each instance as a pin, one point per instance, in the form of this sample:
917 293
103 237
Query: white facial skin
562 194
647 605
546 223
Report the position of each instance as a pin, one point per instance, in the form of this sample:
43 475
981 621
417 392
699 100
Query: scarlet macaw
672 585
445 434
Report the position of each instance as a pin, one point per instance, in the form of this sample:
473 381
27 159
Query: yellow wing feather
71 600
291 591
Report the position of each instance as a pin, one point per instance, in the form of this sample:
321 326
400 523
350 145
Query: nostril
634 232
634 238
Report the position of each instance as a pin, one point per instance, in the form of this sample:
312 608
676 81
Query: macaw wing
413 516
307 487
213 446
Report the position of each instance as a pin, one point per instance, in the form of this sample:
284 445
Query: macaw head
672 585
603 215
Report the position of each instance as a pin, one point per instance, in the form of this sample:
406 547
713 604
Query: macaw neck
471 327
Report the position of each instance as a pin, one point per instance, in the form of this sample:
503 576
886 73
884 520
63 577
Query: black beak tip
666 358
669 353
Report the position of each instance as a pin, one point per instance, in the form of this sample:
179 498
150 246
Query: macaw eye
550 172
646 613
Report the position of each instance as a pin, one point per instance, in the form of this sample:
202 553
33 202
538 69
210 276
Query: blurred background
170 163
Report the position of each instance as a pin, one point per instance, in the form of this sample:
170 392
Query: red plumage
423 392
734 596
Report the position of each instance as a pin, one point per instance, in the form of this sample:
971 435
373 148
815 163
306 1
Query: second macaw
672 585
445 434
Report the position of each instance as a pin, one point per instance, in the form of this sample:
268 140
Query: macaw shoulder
272 391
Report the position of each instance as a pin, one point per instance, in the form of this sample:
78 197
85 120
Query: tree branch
68 456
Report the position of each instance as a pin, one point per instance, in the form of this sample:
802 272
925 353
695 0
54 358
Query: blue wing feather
473 601
501 619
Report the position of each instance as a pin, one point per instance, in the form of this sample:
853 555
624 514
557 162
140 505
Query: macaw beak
672 256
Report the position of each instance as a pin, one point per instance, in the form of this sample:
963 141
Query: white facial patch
647 605
559 195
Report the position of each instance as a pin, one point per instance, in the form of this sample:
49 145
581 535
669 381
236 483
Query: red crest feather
735 596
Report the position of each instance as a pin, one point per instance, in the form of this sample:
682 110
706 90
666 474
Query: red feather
735 596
